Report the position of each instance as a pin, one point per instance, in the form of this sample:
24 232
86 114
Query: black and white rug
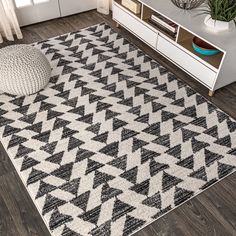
115 140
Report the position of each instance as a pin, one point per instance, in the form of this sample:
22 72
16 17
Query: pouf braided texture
24 70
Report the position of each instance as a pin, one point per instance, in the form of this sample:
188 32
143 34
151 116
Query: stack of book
163 23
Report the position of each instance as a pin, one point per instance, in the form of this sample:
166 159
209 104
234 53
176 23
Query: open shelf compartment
185 39
137 15
147 17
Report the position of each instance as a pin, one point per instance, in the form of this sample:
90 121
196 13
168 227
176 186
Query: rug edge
191 198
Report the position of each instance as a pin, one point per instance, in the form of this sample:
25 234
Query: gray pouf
24 70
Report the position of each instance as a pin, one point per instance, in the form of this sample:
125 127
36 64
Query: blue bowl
204 48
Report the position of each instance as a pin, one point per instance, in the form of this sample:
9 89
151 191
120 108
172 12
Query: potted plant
221 14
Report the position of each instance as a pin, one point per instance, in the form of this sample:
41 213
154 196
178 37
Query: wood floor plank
192 218
218 199
52 28
87 19
7 225
20 207
5 164
213 212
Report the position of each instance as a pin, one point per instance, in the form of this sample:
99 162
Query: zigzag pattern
115 140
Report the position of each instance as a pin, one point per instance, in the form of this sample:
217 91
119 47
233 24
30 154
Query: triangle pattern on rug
115 140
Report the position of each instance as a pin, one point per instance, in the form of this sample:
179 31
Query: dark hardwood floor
211 213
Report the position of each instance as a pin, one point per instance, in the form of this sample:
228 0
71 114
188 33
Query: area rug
115 140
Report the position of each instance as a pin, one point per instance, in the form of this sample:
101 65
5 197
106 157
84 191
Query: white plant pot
217 25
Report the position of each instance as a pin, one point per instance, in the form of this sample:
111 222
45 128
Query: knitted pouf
24 70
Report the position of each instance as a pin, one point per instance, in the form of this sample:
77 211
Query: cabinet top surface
193 21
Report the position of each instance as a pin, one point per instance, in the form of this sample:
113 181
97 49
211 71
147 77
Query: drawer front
187 62
133 24
69 7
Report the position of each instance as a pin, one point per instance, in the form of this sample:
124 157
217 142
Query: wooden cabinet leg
211 93
117 25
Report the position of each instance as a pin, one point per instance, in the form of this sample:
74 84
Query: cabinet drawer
200 71
133 24
69 7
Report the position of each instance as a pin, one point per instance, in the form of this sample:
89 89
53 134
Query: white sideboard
214 72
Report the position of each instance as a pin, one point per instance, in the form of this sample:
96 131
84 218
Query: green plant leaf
224 10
